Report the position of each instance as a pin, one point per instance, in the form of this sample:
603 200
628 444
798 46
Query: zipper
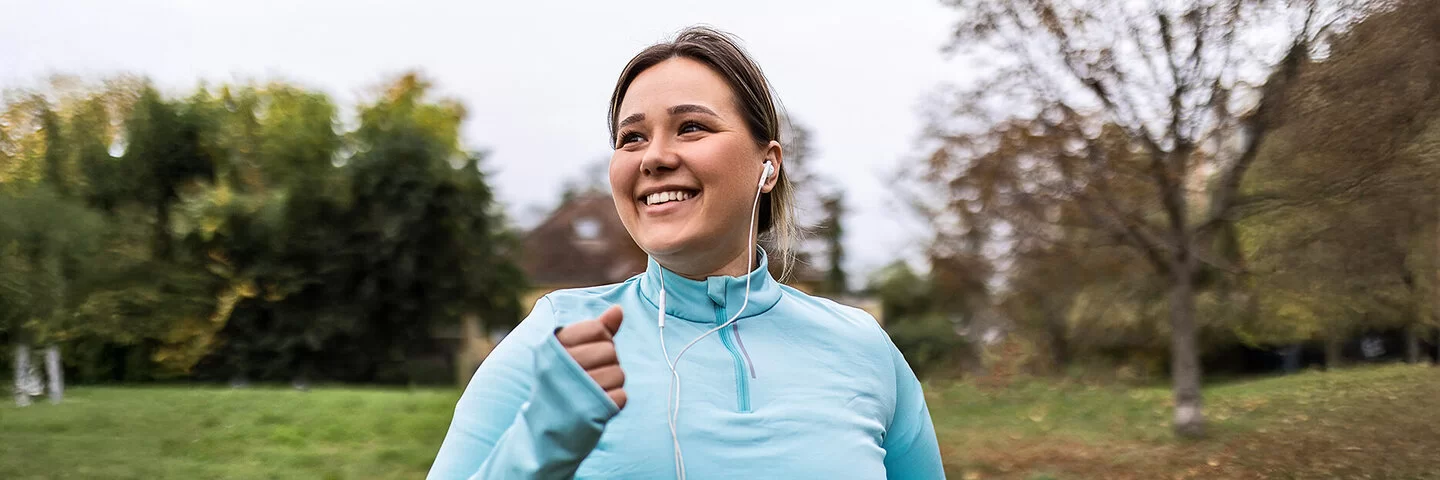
742 381
748 362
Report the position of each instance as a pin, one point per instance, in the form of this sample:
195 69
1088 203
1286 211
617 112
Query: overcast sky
535 75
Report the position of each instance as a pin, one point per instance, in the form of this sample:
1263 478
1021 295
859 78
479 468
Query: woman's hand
592 344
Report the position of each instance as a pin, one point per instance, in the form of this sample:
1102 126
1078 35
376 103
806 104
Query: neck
735 265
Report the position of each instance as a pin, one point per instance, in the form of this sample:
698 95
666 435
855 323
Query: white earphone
673 404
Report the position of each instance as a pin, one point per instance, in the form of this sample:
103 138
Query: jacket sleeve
530 411
911 450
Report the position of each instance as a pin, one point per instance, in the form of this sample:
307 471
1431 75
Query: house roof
582 243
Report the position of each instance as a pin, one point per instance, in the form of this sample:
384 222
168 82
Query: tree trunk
1059 340
22 375
1290 358
1333 346
303 368
1184 353
54 374
240 369
1435 358
1412 344
162 230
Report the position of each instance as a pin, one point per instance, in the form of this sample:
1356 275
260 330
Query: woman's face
686 167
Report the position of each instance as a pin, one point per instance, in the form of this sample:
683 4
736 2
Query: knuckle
578 333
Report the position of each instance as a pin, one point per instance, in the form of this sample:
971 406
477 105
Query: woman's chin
662 244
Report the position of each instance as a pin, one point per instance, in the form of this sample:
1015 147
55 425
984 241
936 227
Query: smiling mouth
668 196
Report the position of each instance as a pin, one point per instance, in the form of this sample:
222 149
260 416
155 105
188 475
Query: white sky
535 75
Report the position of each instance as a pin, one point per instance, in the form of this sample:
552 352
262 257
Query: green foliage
1342 226
902 292
345 272
924 334
832 231
43 240
1309 216
166 151
930 344
243 233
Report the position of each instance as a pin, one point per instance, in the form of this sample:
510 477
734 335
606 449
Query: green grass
1370 422
1375 421
172 432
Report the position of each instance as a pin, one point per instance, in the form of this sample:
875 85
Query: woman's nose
659 157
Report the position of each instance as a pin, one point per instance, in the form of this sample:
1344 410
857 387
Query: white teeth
667 196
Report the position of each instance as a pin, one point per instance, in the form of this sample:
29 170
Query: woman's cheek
622 177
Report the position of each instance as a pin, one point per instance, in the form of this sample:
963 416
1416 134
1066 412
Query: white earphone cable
673 394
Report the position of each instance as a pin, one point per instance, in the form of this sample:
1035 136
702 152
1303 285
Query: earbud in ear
769 170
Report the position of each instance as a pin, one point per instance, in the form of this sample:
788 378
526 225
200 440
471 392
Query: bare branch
1258 124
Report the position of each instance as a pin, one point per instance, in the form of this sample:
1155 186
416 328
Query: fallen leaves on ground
1372 422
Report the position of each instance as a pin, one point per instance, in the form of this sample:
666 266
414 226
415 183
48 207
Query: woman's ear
775 154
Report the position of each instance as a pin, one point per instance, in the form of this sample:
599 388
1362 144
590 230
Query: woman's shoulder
567 305
584 293
826 304
840 328
835 316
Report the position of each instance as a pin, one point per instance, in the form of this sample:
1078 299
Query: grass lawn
1366 422
1371 422
202 433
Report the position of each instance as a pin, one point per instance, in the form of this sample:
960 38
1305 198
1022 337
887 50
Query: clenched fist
592 344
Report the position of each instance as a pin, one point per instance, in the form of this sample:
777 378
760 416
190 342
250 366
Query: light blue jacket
799 387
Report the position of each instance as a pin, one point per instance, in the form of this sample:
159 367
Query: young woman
652 377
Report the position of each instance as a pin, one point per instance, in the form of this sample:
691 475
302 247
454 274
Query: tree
593 178
107 294
927 336
90 141
266 226
56 154
347 252
1167 96
44 241
432 239
832 231
1343 199
47 239
241 232
819 206
165 152
902 292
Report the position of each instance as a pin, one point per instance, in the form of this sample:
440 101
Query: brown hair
754 98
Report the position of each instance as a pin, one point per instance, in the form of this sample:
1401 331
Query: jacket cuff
566 413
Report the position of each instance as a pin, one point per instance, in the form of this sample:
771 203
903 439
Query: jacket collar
700 300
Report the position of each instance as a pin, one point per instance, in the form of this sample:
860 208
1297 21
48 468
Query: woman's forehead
676 82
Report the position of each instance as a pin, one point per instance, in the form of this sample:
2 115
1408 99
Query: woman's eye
690 127
628 138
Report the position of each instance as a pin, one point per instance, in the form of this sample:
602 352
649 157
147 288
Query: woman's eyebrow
633 118
690 108
675 110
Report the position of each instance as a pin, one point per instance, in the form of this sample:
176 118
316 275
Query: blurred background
1147 239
